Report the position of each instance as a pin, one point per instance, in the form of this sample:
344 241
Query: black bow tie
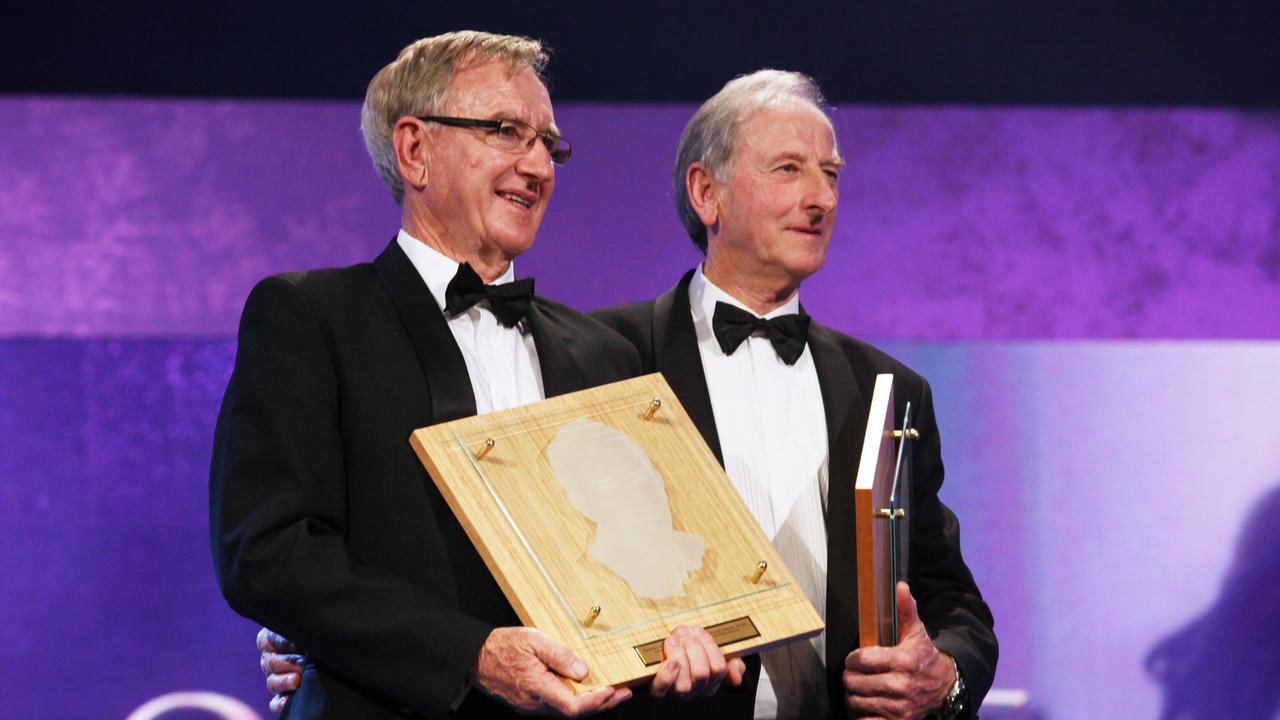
508 301
788 333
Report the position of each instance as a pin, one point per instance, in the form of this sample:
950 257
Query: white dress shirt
773 435
502 362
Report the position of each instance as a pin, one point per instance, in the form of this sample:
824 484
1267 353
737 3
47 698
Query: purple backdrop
133 230
155 218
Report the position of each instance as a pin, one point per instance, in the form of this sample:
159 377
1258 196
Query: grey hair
417 83
710 138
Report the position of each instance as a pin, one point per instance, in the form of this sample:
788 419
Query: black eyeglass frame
549 140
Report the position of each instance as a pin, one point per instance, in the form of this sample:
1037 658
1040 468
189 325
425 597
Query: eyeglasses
510 136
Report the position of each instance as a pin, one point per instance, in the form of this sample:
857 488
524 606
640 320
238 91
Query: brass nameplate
725 633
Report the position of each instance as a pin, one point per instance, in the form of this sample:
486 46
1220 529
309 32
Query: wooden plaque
882 492
503 474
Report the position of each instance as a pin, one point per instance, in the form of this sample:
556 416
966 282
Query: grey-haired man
783 403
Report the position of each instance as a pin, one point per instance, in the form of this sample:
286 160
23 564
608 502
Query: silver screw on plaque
484 449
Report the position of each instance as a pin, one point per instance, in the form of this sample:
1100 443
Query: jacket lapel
558 351
835 378
438 353
845 411
676 349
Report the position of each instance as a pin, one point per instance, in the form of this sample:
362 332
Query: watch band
956 700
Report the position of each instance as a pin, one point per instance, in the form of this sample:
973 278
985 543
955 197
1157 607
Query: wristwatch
955 701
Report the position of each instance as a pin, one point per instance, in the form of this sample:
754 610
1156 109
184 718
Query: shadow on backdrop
1225 663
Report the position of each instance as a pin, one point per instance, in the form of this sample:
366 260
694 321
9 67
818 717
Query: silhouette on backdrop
1226 662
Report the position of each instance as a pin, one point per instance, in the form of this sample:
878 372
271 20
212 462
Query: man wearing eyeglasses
323 523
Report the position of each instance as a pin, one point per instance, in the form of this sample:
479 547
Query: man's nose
536 164
822 194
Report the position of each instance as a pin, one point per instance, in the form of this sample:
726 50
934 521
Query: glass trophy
882 498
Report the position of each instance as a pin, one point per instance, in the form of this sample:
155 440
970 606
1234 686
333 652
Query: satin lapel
676 349
835 378
846 413
557 351
438 353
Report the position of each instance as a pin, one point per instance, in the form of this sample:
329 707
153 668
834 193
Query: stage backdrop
1094 293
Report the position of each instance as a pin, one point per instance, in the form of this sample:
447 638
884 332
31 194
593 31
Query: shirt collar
704 294
436 269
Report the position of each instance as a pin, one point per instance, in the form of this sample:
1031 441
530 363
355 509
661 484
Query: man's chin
802 265
515 243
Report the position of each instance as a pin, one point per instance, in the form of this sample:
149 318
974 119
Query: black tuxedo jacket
324 525
948 599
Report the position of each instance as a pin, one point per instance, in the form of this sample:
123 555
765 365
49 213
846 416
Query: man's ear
704 193
409 138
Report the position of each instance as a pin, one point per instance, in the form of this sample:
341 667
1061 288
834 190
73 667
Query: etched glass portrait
609 478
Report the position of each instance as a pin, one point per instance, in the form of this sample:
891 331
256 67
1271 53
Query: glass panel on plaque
607 522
